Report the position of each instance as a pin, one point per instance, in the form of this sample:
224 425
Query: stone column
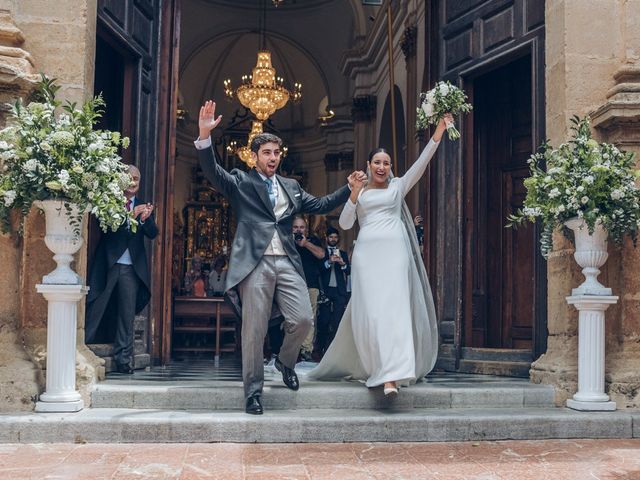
19 378
591 352
61 394
591 72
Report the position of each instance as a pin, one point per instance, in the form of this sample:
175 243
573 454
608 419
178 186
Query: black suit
332 310
129 283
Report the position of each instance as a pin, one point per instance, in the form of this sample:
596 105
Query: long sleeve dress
389 330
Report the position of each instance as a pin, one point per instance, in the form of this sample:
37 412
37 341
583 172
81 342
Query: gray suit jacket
249 199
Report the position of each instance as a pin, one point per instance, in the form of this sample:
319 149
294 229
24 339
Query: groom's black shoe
254 406
289 376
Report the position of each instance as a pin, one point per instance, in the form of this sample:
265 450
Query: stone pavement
521 460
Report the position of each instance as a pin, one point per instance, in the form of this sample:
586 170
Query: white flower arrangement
584 179
44 156
443 98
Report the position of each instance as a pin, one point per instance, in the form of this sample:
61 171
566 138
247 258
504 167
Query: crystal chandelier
262 92
244 152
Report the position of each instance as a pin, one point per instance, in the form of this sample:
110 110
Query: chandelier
262 92
244 152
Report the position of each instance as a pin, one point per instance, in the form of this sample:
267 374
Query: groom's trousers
274 278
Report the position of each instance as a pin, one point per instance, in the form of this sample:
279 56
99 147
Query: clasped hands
144 211
357 180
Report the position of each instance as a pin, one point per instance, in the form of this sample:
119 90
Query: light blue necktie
272 194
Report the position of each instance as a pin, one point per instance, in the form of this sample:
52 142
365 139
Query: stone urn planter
591 254
63 238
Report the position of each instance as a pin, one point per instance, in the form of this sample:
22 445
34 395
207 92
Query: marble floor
229 369
518 460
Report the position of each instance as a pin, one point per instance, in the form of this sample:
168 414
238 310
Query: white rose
443 88
584 199
431 97
9 197
427 108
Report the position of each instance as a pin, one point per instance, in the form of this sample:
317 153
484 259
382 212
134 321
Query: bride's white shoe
390 390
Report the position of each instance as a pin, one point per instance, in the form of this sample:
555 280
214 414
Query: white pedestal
591 355
60 394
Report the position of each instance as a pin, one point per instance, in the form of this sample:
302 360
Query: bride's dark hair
377 150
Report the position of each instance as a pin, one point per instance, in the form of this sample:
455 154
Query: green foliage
581 178
50 151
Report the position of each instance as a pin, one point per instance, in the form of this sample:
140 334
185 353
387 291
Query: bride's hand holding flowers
445 123
443 99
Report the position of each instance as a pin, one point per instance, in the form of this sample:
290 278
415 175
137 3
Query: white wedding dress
389 330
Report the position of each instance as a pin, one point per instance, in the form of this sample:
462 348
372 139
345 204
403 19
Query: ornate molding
363 108
17 73
619 117
409 41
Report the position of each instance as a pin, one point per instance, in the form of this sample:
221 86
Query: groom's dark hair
263 138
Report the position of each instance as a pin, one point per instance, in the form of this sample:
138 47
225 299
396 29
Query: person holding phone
336 269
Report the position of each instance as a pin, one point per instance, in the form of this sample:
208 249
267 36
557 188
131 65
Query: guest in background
311 253
120 277
417 222
334 284
217 277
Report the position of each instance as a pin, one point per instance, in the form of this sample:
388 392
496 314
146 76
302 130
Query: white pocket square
297 195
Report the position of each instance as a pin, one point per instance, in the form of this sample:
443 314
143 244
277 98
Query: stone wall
60 41
593 71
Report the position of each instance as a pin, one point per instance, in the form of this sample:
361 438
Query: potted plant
51 156
589 188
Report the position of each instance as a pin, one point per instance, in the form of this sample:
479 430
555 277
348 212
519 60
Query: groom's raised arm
311 204
222 180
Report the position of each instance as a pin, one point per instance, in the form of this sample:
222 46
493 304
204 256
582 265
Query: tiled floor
518 460
230 369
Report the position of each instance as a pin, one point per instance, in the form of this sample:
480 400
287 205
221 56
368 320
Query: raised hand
442 126
356 180
207 120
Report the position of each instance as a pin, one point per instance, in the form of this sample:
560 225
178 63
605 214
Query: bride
388 334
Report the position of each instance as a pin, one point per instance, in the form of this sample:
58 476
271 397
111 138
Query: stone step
226 395
497 354
493 367
113 425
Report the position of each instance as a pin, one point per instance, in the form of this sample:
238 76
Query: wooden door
126 74
503 260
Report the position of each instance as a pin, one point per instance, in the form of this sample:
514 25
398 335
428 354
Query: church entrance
500 306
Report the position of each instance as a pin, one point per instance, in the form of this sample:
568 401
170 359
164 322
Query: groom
264 268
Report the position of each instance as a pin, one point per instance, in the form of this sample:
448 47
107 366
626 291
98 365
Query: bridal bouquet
443 98
584 179
46 153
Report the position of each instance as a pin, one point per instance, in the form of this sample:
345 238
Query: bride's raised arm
415 172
